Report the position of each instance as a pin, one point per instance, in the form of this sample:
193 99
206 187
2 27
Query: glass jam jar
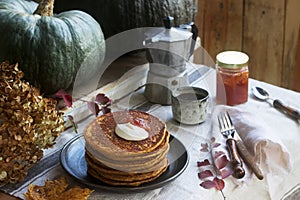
232 77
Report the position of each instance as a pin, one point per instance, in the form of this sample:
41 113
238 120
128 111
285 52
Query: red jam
140 123
232 80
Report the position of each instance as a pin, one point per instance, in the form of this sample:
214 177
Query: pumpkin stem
45 8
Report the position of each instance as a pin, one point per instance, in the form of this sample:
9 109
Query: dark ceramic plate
73 161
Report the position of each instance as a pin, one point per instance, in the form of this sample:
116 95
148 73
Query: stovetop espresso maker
168 49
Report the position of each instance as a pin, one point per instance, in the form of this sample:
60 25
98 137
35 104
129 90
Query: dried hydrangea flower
29 123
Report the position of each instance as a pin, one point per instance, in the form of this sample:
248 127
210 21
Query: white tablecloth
186 186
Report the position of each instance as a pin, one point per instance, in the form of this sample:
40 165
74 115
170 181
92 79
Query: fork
227 130
242 150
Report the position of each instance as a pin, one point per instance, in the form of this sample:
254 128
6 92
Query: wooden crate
268 31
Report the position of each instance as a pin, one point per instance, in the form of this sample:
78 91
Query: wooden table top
4 196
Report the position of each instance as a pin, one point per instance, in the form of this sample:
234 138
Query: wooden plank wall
266 30
295 80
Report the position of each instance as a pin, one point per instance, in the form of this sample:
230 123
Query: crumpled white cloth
260 139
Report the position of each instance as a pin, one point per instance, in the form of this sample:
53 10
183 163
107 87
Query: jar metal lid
232 59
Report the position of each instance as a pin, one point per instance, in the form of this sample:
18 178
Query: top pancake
100 133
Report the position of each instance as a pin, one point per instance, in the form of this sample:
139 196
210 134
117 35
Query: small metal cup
190 105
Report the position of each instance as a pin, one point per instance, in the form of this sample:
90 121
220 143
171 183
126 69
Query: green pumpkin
50 48
116 16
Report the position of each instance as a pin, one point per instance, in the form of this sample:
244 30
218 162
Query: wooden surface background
268 31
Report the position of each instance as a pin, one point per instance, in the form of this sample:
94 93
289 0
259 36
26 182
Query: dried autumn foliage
29 123
101 103
57 189
213 171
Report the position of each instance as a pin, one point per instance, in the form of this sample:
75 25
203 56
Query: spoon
264 95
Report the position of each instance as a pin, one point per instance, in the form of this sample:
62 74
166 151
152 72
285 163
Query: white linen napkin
260 139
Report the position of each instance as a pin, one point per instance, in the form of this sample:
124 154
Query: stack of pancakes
117 161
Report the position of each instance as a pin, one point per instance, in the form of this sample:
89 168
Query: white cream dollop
131 132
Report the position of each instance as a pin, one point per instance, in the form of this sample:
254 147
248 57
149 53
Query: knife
286 109
248 158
